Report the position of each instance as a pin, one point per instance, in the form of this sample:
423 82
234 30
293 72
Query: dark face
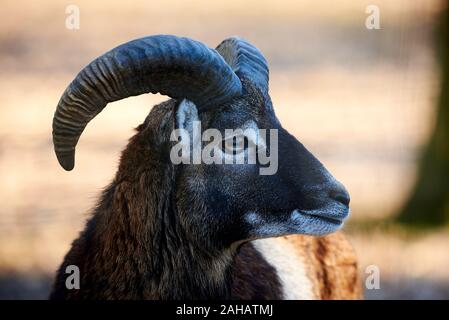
235 202
218 203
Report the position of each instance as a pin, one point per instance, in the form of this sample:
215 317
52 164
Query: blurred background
367 102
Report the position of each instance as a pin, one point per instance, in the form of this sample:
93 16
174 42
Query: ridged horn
173 66
246 60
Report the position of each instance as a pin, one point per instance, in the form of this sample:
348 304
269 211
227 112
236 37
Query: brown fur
332 265
253 277
137 246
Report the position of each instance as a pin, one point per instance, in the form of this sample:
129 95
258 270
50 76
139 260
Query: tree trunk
429 202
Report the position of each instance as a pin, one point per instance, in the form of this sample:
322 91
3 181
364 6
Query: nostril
340 195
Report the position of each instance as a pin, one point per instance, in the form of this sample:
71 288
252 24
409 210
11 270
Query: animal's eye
235 144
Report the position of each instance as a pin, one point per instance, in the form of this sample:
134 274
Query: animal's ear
186 115
186 122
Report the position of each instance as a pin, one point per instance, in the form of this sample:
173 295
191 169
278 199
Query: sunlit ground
361 100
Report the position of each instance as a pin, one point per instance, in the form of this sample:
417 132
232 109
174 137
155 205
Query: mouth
321 221
333 213
316 222
331 220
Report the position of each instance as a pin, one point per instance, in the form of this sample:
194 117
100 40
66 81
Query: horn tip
66 161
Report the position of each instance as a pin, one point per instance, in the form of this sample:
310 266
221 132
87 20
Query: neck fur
138 218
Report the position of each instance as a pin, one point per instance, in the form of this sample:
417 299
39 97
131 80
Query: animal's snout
339 193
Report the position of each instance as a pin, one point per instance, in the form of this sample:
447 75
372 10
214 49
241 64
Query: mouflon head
239 175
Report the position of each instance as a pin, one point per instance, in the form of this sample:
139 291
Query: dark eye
235 144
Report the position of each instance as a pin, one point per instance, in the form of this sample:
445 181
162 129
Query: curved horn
246 61
177 67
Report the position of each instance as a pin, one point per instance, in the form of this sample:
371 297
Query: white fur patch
289 266
186 113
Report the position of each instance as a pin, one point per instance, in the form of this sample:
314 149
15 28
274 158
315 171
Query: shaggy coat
136 244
